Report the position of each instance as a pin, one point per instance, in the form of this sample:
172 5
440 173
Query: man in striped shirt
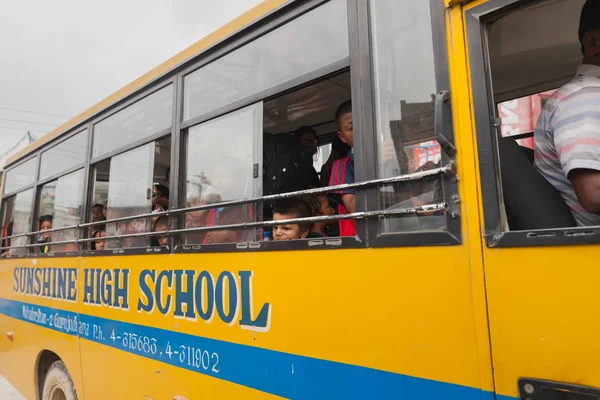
567 136
342 170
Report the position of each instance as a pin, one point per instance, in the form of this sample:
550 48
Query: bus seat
531 201
529 153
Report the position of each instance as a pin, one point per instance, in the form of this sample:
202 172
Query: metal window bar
448 170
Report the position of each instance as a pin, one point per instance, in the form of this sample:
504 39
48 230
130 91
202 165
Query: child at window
161 225
44 238
342 171
320 206
99 244
288 209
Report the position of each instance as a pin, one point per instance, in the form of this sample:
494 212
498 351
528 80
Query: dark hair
97 232
98 205
161 220
590 19
343 109
304 130
162 190
295 207
314 202
45 218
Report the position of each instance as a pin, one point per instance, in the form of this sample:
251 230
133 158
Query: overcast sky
62 56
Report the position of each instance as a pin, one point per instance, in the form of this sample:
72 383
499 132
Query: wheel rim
56 393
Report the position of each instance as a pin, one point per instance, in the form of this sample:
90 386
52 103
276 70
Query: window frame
363 100
486 125
139 96
360 60
64 171
16 165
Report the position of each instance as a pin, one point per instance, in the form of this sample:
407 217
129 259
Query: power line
34 112
21 129
27 122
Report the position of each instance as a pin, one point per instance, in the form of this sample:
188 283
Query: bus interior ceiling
534 49
312 105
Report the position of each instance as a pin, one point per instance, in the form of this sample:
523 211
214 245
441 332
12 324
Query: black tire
58 384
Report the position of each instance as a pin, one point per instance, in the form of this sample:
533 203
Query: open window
531 49
131 183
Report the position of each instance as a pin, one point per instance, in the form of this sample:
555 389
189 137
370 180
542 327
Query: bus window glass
405 97
8 208
130 193
312 41
20 176
18 221
60 203
148 116
219 168
63 156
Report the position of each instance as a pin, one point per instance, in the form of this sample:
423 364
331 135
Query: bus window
8 208
17 220
288 164
20 176
405 87
59 203
321 157
129 193
65 155
219 167
313 41
147 117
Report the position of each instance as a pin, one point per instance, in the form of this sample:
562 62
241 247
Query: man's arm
577 140
586 183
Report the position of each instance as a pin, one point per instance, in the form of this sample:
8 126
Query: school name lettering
185 294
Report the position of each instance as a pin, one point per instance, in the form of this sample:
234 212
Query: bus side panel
543 309
365 323
37 322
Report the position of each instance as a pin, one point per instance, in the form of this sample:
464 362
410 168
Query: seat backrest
531 201
529 153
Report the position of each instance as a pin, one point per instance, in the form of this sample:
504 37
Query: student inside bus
99 244
43 238
339 150
97 212
288 209
567 136
320 206
160 198
160 225
342 171
307 141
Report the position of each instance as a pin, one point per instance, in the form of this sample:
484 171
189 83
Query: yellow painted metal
542 306
418 311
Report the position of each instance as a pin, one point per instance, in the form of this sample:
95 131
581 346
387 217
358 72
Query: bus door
541 271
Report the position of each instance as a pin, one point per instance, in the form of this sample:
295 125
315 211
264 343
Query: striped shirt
567 137
342 172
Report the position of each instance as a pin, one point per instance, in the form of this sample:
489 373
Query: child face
163 240
288 231
345 130
44 226
100 243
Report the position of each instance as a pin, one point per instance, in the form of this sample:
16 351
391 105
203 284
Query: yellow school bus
464 279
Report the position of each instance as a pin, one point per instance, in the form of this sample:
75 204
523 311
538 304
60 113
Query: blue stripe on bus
282 374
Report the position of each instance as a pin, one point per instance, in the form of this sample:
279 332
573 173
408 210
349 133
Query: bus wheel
58 384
